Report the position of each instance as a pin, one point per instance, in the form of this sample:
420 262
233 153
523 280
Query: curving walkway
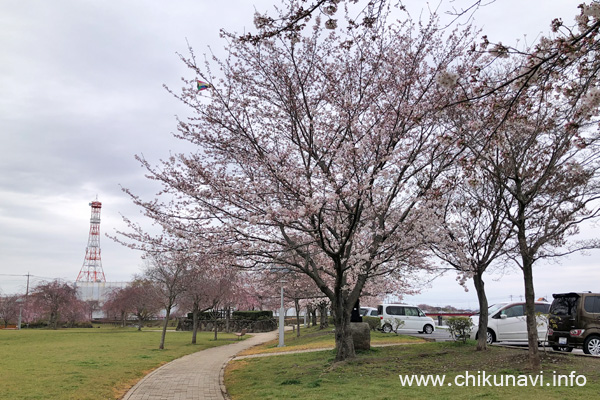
197 376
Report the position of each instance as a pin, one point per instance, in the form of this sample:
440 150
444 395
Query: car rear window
591 304
564 305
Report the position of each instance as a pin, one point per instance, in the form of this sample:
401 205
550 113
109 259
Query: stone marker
361 335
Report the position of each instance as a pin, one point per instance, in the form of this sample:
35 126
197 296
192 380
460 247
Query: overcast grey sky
81 92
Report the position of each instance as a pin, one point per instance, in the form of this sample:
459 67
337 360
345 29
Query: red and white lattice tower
91 271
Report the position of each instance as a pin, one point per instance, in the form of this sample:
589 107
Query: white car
396 317
368 312
507 322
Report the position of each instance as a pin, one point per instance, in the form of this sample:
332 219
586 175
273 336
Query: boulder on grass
361 335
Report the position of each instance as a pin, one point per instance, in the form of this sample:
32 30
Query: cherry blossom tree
75 312
318 154
565 53
220 291
212 283
544 157
9 308
168 273
474 233
90 307
53 298
118 303
195 299
550 170
294 15
142 295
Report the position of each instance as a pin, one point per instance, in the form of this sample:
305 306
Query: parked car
368 312
507 322
404 316
574 322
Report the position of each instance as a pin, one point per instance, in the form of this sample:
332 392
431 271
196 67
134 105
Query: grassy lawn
315 338
98 363
375 374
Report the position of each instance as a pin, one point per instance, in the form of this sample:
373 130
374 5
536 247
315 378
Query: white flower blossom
447 79
591 99
593 10
331 24
500 51
582 21
330 10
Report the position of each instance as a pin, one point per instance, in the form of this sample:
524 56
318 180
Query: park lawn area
93 363
314 338
374 374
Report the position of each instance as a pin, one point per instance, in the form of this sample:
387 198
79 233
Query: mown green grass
87 363
315 338
375 374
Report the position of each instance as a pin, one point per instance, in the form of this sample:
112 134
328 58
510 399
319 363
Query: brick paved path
197 376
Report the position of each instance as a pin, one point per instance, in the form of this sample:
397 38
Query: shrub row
252 315
246 315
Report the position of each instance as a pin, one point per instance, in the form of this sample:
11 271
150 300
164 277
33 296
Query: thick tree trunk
324 322
54 320
344 344
483 312
313 315
164 330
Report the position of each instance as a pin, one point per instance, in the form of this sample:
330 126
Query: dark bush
252 315
203 316
37 324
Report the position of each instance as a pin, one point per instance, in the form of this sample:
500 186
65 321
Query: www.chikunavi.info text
482 379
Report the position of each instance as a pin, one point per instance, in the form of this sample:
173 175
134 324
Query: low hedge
202 316
247 315
252 315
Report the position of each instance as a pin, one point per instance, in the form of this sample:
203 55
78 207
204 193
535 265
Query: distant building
97 291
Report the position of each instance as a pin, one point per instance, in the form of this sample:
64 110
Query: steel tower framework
91 271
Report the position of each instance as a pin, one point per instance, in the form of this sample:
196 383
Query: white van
507 322
396 317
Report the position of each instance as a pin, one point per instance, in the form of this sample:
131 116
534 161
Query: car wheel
387 328
565 349
428 329
491 337
592 345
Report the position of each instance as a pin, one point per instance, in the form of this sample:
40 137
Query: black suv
574 321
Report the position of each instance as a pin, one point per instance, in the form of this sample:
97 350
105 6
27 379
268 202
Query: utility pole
21 305
281 319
